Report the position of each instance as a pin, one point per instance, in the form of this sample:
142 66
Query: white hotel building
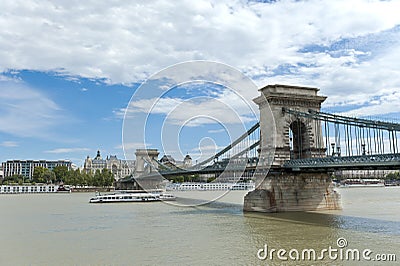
26 167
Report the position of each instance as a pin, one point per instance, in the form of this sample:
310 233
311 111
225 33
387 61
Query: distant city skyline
68 71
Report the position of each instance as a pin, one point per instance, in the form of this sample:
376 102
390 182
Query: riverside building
26 167
120 168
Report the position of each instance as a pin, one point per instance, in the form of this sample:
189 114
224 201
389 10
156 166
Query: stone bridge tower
143 158
296 137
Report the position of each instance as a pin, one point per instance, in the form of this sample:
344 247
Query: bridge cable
373 130
369 140
300 138
391 133
327 142
360 140
337 132
356 141
378 137
351 140
393 151
380 141
230 146
363 144
317 134
382 148
308 141
346 140
320 135
291 137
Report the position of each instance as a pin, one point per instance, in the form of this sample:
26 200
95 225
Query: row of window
9 189
126 197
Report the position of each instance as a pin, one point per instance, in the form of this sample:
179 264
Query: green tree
393 176
74 178
210 179
60 172
178 179
85 179
107 178
20 179
43 175
38 174
49 176
97 179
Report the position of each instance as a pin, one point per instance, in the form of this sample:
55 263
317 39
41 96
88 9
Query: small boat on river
132 196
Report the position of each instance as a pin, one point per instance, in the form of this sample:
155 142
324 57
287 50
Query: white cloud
224 107
9 144
124 41
216 130
383 102
67 150
25 111
129 148
133 146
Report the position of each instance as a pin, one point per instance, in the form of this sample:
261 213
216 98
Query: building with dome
120 168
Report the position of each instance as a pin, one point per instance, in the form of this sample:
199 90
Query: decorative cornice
316 103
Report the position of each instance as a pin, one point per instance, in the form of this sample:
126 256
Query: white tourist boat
132 196
212 186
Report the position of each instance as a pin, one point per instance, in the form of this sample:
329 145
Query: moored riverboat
212 186
39 188
362 183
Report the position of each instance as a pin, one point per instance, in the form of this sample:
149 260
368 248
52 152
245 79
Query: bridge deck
362 162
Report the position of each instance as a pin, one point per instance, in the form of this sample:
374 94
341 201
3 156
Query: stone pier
281 192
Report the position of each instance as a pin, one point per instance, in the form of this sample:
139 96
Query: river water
64 229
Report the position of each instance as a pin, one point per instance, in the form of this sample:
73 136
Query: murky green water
64 229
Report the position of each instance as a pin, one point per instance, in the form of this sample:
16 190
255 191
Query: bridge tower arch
299 139
296 137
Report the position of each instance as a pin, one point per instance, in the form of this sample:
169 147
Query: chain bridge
292 152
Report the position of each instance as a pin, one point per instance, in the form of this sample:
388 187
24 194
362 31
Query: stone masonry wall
293 192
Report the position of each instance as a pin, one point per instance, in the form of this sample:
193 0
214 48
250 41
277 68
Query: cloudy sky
68 69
